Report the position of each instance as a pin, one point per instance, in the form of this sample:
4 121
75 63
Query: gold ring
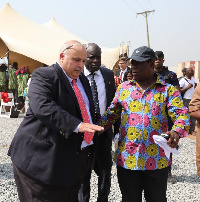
174 140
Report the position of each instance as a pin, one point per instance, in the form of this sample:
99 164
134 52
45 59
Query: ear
62 56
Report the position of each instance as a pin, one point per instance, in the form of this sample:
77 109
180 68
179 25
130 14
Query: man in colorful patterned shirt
143 104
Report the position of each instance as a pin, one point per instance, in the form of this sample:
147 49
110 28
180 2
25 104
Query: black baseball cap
159 54
142 54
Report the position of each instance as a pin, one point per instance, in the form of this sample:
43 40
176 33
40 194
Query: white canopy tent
31 44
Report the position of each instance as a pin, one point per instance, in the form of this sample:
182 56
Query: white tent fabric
56 27
109 55
33 44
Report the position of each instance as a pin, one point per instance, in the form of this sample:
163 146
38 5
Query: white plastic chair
10 103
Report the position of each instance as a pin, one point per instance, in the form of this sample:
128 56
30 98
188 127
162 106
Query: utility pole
145 14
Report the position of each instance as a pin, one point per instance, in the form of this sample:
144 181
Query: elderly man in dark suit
51 149
103 89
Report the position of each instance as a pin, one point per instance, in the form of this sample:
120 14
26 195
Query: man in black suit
105 91
50 150
122 68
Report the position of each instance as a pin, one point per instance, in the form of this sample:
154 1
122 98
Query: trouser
32 190
102 168
186 102
15 94
198 148
170 166
133 182
21 102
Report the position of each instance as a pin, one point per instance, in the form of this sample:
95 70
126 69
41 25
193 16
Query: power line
150 3
137 31
145 14
128 34
129 6
141 5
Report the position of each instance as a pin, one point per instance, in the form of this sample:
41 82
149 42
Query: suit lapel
67 84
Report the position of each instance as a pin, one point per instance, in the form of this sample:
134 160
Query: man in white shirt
103 89
187 85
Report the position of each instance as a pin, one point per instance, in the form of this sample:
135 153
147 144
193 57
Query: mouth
96 65
135 73
78 70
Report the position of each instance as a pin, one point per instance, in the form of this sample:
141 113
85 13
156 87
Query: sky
173 27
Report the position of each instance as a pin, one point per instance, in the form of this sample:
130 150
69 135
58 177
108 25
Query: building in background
173 69
195 65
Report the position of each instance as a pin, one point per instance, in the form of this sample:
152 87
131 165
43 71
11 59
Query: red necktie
120 75
87 136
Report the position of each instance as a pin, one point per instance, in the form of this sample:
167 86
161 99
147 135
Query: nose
81 63
96 59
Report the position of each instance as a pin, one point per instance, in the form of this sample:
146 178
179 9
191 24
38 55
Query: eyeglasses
76 44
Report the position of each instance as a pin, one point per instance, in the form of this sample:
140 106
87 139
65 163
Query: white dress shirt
123 72
101 89
86 101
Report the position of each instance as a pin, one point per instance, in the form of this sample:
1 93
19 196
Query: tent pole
8 56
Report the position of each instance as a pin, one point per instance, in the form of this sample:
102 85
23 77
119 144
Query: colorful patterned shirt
145 115
12 82
22 80
2 81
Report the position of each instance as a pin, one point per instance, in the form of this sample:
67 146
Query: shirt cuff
77 128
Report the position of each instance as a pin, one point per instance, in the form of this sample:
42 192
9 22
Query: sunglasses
76 44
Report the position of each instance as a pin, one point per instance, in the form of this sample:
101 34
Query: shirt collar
87 72
124 70
158 81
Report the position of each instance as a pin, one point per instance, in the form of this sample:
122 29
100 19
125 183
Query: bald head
70 45
93 60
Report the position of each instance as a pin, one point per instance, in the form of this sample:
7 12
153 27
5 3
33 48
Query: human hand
190 86
91 128
173 139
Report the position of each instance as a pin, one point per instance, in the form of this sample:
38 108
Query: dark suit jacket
103 148
45 146
119 71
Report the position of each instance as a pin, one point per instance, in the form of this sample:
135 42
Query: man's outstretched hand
91 128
